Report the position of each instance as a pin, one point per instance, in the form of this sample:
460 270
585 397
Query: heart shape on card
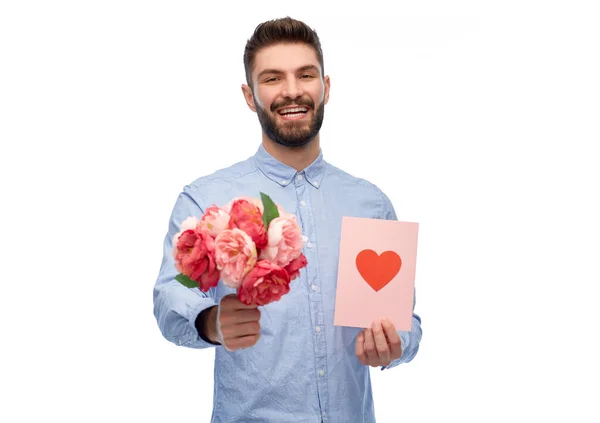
378 270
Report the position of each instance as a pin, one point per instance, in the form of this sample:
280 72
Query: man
286 362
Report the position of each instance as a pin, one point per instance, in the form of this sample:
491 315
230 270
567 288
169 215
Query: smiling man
288 91
285 362
295 94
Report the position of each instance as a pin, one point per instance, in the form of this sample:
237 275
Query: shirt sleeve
410 340
176 306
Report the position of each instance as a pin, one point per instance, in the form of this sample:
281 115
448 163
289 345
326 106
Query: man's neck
297 157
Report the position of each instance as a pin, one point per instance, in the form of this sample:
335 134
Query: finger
381 344
370 349
238 305
393 338
240 316
234 303
241 330
360 348
243 342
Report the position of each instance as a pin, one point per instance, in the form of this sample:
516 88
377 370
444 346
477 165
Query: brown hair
284 30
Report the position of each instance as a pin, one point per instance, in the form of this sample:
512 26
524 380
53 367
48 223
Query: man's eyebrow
278 72
266 71
308 67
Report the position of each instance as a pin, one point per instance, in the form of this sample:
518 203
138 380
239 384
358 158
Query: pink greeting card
376 273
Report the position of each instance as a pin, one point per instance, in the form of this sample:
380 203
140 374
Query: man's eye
306 76
271 79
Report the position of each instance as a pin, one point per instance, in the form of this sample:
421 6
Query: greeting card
376 273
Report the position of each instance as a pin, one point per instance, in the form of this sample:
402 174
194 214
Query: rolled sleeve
176 307
410 340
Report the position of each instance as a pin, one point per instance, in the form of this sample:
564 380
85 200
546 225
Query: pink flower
246 216
214 221
258 203
235 255
195 258
265 283
189 223
293 269
284 241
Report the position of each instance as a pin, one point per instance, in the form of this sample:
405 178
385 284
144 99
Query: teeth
294 110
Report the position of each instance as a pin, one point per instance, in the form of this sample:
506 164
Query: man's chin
295 124
293 142
292 133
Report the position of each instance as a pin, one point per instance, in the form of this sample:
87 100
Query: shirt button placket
316 307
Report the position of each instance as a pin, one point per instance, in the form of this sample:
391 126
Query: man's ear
247 91
327 86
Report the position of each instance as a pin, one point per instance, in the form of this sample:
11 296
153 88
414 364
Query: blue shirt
303 368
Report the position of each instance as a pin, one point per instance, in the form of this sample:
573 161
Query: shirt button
309 244
299 177
283 181
303 203
316 184
318 329
321 372
314 287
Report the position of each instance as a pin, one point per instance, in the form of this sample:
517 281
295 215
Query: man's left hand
378 345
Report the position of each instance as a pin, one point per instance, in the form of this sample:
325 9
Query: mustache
308 103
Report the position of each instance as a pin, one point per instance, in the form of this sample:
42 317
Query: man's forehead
286 57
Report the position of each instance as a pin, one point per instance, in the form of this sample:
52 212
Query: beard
291 133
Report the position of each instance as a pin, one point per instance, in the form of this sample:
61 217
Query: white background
479 120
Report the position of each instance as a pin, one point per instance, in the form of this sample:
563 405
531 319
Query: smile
293 113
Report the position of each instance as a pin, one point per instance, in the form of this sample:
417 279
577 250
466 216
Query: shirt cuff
201 334
192 338
404 337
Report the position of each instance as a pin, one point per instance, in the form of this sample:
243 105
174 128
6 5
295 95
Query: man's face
289 94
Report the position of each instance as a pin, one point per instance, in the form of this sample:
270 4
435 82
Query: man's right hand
239 323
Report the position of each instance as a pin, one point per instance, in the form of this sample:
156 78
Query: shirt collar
284 174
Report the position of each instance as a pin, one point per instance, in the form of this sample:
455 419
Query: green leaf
186 281
271 211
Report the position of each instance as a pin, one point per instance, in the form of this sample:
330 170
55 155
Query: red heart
378 270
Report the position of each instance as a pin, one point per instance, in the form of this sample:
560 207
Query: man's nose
292 88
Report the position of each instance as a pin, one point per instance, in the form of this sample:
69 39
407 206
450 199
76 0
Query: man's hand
239 323
379 345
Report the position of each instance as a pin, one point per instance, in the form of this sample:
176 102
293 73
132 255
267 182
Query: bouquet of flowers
251 245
